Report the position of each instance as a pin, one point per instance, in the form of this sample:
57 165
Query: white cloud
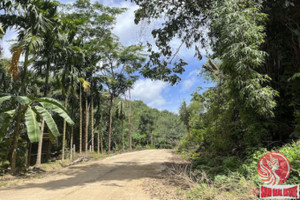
126 29
189 81
187 84
150 92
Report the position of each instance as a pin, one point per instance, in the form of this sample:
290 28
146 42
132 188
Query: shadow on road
97 172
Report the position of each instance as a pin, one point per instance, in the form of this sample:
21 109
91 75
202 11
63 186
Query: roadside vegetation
253 59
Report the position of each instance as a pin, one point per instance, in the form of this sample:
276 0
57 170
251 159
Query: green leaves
5 98
59 110
240 34
23 100
33 126
33 113
5 122
52 102
48 119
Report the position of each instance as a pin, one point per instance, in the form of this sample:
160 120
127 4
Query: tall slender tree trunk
110 122
101 143
40 147
86 124
16 135
92 123
152 138
123 137
98 142
47 78
80 119
20 114
71 143
64 132
129 122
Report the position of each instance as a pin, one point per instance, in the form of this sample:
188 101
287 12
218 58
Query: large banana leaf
5 98
23 100
52 101
33 129
61 112
48 119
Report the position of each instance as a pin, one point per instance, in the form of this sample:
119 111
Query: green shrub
292 152
232 177
232 163
232 186
249 167
149 146
138 147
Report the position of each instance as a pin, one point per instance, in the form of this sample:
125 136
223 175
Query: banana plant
34 110
31 110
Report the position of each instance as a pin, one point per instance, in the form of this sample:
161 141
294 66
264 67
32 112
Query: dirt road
115 178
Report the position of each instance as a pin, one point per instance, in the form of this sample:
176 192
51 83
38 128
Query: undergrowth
233 177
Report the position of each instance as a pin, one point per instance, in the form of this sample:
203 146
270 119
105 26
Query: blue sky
157 94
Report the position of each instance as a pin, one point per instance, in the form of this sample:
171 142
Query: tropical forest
149 99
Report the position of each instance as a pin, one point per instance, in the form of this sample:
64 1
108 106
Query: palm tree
92 123
80 120
129 121
87 108
67 82
96 89
49 39
86 87
30 23
120 114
